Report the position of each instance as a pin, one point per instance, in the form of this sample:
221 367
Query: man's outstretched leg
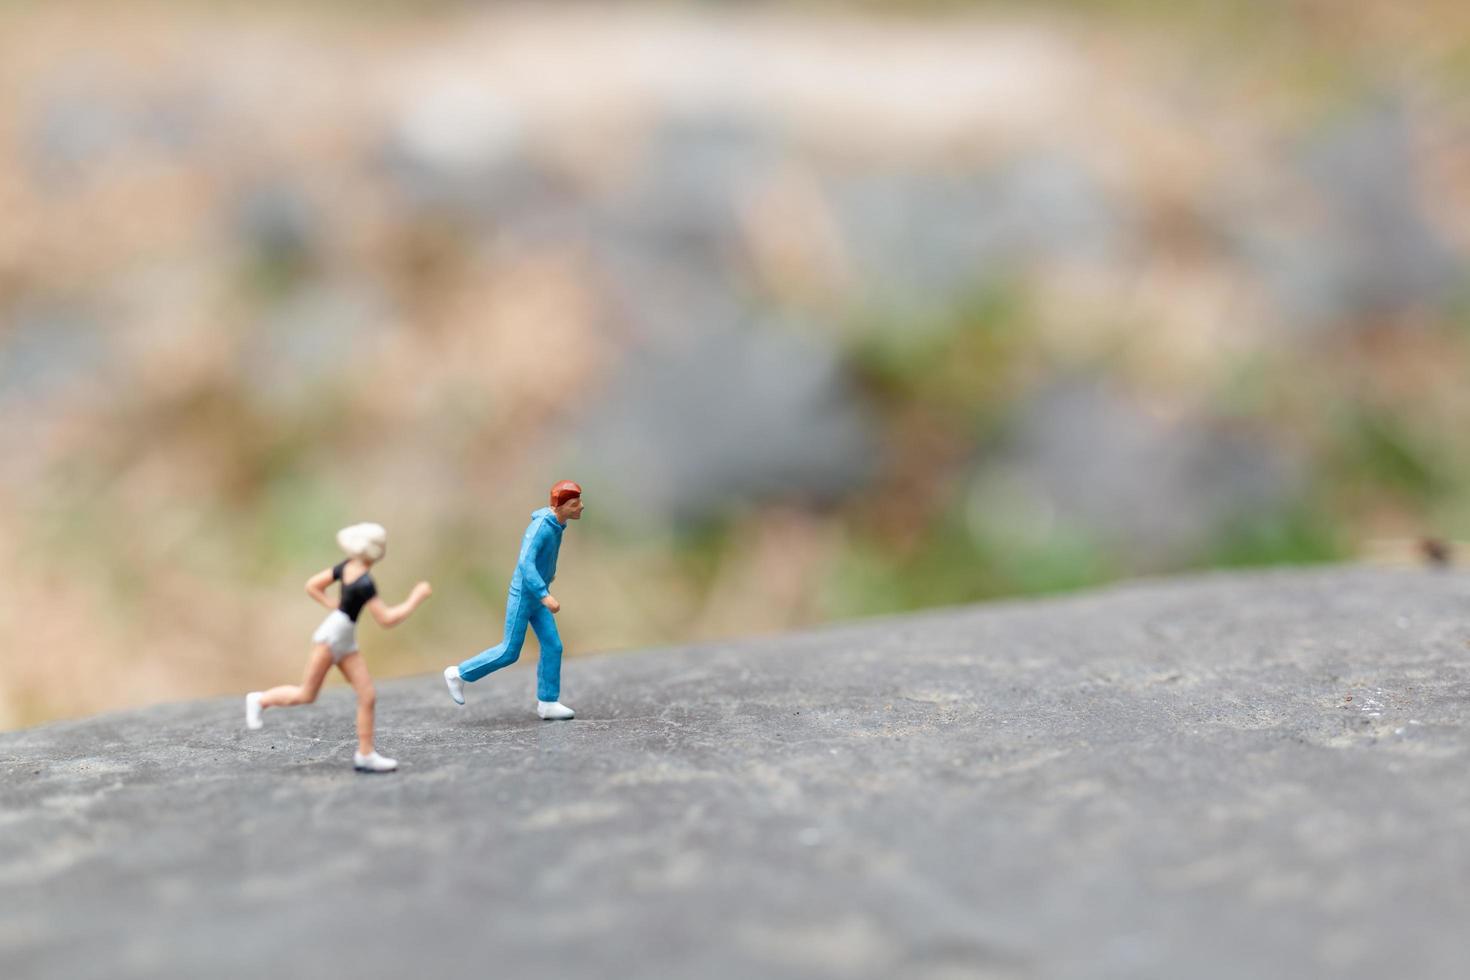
548 668
517 610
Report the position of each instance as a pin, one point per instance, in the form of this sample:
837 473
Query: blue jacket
537 565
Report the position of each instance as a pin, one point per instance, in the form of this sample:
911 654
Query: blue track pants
523 609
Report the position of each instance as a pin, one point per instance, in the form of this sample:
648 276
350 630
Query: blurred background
834 310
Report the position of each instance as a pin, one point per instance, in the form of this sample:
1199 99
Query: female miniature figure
335 641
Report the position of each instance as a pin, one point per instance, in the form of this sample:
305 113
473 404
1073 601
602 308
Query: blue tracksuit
534 571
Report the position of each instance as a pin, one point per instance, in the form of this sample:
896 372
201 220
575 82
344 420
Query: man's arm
530 576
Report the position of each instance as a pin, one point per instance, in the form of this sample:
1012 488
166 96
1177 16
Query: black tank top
355 594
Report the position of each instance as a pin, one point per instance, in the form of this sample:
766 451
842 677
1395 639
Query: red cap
564 491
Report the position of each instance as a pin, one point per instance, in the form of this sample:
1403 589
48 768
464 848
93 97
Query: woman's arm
316 587
390 616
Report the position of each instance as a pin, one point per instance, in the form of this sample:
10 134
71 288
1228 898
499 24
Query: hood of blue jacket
549 515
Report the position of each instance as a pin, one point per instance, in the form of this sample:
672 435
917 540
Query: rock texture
1231 776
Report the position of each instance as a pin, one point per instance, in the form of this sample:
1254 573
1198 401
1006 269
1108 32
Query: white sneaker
372 762
252 710
455 682
554 711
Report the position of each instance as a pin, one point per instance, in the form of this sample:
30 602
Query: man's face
571 510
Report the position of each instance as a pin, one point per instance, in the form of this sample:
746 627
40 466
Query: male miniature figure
530 603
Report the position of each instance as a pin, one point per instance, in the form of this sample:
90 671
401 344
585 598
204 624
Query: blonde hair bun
367 541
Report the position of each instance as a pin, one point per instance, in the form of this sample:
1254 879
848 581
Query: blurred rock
53 357
1081 457
671 242
726 419
457 125
310 338
458 150
657 295
75 126
174 119
696 170
278 223
1362 248
921 236
46 348
80 121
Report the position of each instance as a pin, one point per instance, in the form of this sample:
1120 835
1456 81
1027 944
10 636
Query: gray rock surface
1231 776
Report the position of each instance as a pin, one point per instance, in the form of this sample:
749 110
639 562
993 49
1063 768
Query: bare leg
317 666
354 668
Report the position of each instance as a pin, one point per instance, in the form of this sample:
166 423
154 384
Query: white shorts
339 634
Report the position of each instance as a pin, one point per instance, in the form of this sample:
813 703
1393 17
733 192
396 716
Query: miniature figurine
529 603
336 639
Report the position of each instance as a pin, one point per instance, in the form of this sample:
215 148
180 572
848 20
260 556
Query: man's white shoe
554 711
455 682
372 762
252 710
